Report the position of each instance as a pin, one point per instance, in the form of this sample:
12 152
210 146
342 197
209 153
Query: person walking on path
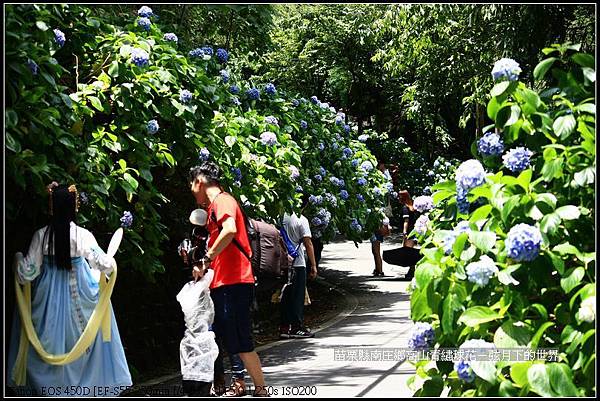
64 295
292 302
232 288
409 217
384 230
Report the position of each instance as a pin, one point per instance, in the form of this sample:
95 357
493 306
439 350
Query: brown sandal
236 389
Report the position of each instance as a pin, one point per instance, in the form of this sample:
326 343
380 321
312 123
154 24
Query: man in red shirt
233 283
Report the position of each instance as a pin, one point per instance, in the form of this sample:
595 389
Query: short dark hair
209 170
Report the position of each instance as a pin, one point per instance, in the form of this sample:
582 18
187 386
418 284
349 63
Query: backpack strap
213 216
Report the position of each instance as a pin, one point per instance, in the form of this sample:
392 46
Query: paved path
377 318
380 320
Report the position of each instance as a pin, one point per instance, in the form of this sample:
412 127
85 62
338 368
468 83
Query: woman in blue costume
64 265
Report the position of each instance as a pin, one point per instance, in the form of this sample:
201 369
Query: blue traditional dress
62 302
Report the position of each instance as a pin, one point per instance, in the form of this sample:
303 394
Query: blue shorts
376 237
232 322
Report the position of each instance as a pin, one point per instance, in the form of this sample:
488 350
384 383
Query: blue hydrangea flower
144 23
268 138
506 68
361 181
234 89
335 146
170 37
363 138
523 242
253 93
314 100
294 172
366 165
127 219
270 89
299 189
204 154
464 370
207 50
339 120
324 105
347 128
436 163
377 191
322 171
470 174
517 159
423 203
421 337
83 198
196 52
421 225
271 120
341 183
348 152
185 96
316 221
315 200
145 11
355 225
236 101
222 56
224 76
461 199
389 186
237 173
490 144
334 181
355 162
59 37
152 126
33 66
321 146
482 271
139 57
360 198
318 178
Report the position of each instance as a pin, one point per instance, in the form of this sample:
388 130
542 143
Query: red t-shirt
230 266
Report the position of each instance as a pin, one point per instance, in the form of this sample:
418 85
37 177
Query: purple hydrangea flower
185 96
270 89
294 172
470 174
144 23
127 219
315 200
523 242
348 152
334 181
237 173
339 120
204 154
33 66
152 126
196 52
59 37
170 37
271 120
506 68
139 57
423 203
347 128
331 199
377 191
145 11
234 89
344 194
482 271
253 93
461 199
316 221
224 76
355 225
222 56
517 159
303 124
421 224
361 181
490 145
335 146
360 198
268 138
355 162
207 50
422 336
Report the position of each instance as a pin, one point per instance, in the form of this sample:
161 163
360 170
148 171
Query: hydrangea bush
508 257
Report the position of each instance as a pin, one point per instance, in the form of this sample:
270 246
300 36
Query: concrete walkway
377 318
380 320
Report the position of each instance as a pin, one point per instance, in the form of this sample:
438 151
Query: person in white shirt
292 302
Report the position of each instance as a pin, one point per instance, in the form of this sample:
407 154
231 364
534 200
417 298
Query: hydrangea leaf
539 380
477 315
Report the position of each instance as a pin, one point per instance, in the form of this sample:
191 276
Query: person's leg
237 388
376 249
318 246
193 388
299 293
252 364
217 296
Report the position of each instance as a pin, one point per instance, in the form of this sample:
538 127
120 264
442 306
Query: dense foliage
509 255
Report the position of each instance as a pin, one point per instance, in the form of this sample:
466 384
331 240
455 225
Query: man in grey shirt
292 302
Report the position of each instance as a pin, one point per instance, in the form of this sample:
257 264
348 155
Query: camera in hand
193 249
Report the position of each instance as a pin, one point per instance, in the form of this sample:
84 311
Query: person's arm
93 253
29 267
225 238
310 250
405 230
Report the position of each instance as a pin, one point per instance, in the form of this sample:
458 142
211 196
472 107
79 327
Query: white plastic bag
198 349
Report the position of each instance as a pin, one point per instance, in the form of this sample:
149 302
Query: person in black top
409 215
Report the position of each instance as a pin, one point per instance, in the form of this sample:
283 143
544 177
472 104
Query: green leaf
561 379
511 335
515 112
484 240
477 315
509 205
589 73
485 369
573 279
547 199
96 103
11 118
557 262
585 177
459 244
146 175
543 67
500 88
425 273
584 60
507 389
131 181
535 340
539 380
481 213
563 126
525 178
48 78
505 277
552 169
549 224
518 373
113 70
492 108
12 144
230 140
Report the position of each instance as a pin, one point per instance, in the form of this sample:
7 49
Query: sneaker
301 332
